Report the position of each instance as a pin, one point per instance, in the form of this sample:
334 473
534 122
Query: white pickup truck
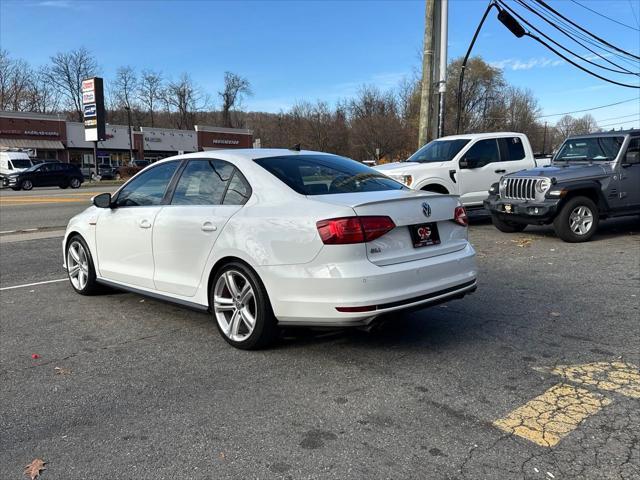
464 165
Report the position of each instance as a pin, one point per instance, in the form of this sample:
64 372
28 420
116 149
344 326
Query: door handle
500 171
144 223
209 227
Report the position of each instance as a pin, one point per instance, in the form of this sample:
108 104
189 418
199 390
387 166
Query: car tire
80 267
577 221
241 307
507 226
15 188
26 185
75 182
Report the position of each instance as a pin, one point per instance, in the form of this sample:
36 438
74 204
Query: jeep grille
521 188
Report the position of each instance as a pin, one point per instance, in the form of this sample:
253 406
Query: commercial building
52 137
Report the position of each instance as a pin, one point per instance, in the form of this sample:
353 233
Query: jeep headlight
404 179
543 185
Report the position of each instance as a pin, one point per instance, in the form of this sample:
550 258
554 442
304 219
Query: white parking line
34 284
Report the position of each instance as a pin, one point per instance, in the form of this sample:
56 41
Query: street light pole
128 109
464 62
442 84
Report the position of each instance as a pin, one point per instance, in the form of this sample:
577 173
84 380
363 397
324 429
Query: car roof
476 136
610 133
242 155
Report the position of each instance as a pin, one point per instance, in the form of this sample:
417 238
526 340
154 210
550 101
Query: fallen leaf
554 314
523 242
221 455
34 468
62 371
35 356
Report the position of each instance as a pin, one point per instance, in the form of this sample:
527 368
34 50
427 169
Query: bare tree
184 99
43 97
66 73
235 88
149 91
15 78
125 86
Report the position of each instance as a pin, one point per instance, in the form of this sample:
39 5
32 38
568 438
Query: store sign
93 108
90 110
30 133
88 85
226 141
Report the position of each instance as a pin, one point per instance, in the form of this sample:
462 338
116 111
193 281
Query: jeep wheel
577 221
507 226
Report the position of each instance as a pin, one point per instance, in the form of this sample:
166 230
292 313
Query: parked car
13 162
464 165
106 171
263 242
591 177
46 174
130 170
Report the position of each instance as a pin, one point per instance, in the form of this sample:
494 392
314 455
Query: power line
601 40
618 123
564 32
633 11
616 118
604 16
623 71
636 99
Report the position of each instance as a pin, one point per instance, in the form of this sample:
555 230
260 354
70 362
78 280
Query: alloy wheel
234 305
581 220
77 265
75 183
27 185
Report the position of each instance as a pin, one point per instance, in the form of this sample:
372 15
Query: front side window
203 182
326 174
148 188
438 151
483 152
589 149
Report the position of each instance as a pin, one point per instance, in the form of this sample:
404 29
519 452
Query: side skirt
155 296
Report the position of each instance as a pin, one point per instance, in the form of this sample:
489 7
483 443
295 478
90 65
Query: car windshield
18 163
326 174
592 149
34 168
438 151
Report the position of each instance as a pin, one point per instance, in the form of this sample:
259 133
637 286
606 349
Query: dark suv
48 174
591 177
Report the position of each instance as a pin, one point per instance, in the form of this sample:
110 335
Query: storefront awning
37 144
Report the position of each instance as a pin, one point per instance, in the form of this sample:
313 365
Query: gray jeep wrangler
591 177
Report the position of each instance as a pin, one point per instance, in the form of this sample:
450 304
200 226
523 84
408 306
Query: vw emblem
426 209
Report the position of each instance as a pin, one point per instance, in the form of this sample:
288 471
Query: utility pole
426 95
544 139
442 83
128 109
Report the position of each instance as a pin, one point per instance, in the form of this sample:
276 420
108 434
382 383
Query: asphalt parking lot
535 376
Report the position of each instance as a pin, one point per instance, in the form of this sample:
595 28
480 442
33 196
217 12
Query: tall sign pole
426 94
93 114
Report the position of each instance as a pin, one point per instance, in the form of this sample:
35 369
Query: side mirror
468 162
103 200
632 158
464 163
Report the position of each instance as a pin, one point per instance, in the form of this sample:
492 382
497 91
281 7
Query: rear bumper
309 294
523 211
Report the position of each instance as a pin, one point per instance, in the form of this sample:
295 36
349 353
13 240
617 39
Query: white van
13 162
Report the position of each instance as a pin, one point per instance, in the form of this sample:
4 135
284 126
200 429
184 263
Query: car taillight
348 230
460 216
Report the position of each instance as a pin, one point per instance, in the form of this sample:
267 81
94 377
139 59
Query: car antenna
295 148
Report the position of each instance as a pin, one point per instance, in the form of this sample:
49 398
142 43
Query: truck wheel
577 221
507 226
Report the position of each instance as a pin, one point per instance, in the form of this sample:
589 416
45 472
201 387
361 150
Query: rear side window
511 149
485 151
203 182
238 191
326 174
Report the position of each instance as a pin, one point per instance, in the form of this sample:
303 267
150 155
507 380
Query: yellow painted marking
548 418
619 377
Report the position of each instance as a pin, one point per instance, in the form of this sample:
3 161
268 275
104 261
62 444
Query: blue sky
308 50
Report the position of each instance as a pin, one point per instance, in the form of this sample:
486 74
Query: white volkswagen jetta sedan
267 238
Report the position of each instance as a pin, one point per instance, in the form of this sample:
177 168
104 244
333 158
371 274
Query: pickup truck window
438 151
590 149
485 151
511 149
